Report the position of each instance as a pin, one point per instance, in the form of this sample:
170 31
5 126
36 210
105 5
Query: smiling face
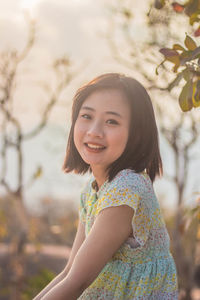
102 128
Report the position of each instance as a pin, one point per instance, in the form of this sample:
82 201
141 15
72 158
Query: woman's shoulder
129 178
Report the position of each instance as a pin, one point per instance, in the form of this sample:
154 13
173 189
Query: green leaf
189 55
190 43
172 56
194 18
174 59
158 4
159 66
176 66
185 54
191 7
186 74
196 94
178 47
185 97
167 52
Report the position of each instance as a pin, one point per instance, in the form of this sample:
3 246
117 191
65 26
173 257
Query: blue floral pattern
143 267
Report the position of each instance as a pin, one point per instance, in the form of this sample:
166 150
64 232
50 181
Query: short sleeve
120 192
128 189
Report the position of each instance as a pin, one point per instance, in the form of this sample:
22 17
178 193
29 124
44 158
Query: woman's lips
94 147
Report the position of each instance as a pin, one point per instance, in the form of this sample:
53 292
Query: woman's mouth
94 147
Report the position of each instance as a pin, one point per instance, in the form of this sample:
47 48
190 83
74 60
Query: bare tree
13 136
181 130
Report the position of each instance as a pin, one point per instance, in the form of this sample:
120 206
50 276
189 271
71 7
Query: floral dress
143 267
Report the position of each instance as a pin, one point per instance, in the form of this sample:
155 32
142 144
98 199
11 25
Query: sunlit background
76 35
78 30
73 28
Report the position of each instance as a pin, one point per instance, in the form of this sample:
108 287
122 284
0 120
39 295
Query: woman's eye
86 116
111 121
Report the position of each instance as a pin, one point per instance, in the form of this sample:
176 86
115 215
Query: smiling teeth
95 146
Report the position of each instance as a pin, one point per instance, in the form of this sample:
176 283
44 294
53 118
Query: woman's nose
95 130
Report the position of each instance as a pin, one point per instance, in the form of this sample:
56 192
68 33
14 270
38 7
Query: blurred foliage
3 225
162 25
186 60
58 229
17 226
36 283
190 8
52 227
189 230
32 285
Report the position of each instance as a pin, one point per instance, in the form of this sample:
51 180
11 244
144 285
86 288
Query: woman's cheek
79 130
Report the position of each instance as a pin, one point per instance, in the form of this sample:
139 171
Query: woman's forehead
107 99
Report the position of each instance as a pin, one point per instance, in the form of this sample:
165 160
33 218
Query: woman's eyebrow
107 112
114 113
88 108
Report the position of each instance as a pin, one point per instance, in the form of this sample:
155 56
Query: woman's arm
80 236
110 230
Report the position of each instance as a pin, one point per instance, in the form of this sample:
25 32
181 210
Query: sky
76 29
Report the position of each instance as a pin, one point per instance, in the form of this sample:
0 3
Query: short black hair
142 149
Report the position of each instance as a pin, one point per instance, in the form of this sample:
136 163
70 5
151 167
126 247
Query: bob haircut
142 149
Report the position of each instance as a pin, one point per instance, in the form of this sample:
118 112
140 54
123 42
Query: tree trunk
17 261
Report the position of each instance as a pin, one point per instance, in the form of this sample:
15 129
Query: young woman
121 250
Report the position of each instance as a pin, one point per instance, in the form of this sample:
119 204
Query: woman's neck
100 176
